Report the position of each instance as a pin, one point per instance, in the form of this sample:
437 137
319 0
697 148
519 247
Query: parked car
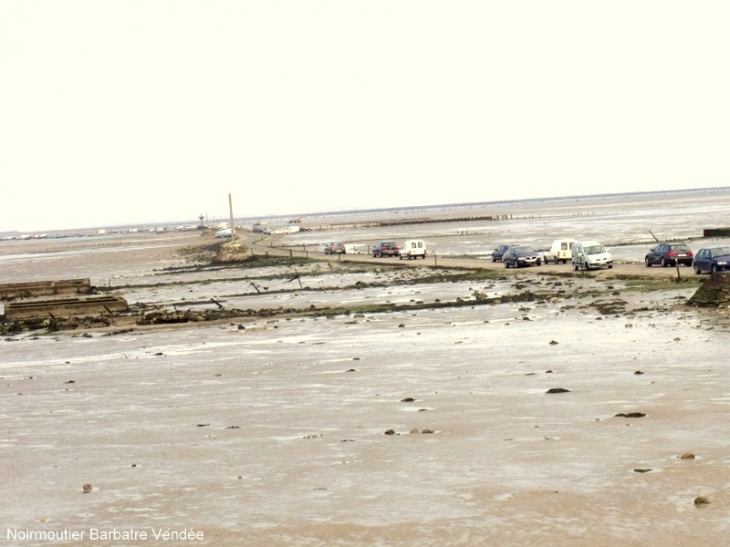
413 248
521 255
561 251
498 253
711 260
669 254
590 255
334 248
385 248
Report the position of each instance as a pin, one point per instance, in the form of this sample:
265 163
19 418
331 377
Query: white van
561 251
590 255
413 248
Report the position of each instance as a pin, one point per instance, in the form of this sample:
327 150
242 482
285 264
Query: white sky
119 112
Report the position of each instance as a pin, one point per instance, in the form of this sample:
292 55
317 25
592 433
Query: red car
334 248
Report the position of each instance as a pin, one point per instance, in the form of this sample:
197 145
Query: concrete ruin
714 293
30 289
65 307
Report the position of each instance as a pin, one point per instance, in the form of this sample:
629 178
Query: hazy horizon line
376 209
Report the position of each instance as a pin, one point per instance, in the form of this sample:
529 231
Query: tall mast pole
230 208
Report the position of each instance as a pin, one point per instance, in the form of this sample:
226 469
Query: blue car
711 260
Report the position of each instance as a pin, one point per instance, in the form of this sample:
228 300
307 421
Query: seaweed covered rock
232 252
714 292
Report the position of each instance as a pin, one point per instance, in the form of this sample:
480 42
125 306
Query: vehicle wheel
697 270
539 262
713 269
400 257
575 267
610 266
506 264
664 263
564 261
647 262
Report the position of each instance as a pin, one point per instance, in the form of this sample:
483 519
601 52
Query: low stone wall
716 232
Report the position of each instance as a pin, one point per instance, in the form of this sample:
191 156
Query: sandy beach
447 401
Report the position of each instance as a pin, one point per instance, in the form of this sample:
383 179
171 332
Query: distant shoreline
409 209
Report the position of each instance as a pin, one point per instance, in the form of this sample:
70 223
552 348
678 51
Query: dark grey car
499 252
669 254
521 255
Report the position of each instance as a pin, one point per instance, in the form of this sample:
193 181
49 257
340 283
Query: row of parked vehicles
411 249
584 255
591 255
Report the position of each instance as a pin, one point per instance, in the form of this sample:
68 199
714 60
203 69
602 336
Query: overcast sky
122 112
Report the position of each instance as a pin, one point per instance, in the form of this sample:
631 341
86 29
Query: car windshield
525 250
720 251
680 248
595 249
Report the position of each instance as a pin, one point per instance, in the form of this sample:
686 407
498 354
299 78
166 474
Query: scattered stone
351 370
548 372
557 390
553 343
638 372
427 432
70 382
414 430
642 470
202 425
687 456
158 354
628 325
407 400
630 415
355 358
401 326
233 427
390 432
701 500
87 489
